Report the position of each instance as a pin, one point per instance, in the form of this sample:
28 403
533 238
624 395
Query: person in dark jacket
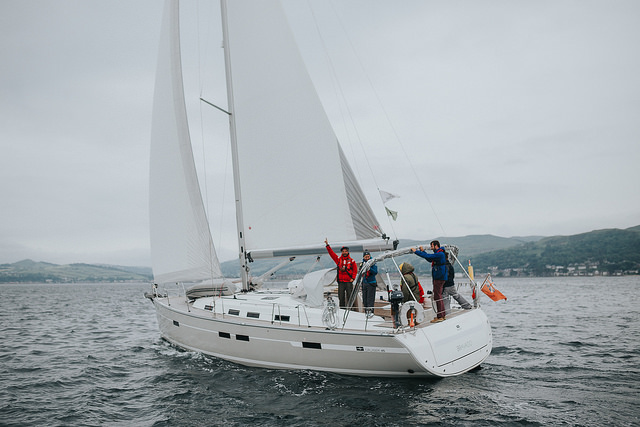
410 287
438 275
369 284
450 290
347 270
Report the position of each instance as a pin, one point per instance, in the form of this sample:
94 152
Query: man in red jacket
347 270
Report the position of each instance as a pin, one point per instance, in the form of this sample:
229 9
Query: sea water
566 352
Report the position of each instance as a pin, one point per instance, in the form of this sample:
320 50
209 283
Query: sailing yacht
293 188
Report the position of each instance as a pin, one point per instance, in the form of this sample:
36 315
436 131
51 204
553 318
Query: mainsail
181 244
297 187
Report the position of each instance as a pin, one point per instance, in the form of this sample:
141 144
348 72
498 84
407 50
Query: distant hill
469 247
477 244
608 251
28 271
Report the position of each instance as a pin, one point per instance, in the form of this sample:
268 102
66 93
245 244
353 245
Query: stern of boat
452 347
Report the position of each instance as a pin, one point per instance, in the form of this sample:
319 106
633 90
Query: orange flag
490 290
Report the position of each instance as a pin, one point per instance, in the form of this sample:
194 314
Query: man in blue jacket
438 275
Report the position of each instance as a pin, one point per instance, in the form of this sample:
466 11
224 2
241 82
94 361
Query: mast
244 268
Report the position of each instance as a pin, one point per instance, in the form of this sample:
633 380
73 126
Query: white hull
452 347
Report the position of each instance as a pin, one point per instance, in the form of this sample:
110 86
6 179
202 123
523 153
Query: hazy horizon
235 258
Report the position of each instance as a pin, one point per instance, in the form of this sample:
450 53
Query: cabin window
242 337
253 315
281 318
234 312
316 345
208 307
224 335
176 323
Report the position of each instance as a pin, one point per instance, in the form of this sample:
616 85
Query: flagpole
385 197
472 282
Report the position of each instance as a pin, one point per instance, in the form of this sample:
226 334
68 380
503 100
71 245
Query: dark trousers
345 289
369 294
438 285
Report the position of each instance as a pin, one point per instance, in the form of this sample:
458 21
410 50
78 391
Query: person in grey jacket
410 286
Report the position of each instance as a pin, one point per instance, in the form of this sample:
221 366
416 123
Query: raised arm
332 254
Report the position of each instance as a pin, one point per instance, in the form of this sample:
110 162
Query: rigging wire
203 177
212 249
224 194
338 89
388 119
201 85
223 199
335 83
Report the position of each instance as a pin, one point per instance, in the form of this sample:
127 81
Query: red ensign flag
491 291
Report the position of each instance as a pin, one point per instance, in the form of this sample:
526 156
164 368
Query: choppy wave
92 356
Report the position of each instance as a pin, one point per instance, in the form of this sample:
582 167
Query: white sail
181 244
297 187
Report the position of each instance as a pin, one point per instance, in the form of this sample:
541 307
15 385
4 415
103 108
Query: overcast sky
509 118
